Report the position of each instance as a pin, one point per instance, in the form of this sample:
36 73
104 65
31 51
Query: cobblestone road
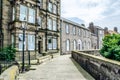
60 68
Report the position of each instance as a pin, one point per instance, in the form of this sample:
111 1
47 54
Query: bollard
29 58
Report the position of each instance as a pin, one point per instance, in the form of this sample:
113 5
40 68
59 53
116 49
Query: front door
39 47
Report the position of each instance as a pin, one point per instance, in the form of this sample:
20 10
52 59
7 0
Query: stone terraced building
42 33
74 36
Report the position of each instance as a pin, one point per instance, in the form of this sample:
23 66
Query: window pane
74 45
74 30
21 42
49 43
54 43
31 15
78 31
31 42
67 28
50 24
54 9
39 21
23 12
13 14
50 7
54 26
68 45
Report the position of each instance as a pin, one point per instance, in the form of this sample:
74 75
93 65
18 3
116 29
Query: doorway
39 47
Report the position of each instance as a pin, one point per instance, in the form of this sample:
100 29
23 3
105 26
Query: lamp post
23 44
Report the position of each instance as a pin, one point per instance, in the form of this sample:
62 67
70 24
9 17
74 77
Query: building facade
42 32
74 37
99 32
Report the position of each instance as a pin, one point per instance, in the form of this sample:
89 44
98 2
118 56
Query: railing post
29 58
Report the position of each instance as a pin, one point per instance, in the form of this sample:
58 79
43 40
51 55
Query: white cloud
91 10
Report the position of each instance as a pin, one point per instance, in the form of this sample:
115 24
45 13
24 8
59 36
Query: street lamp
24 25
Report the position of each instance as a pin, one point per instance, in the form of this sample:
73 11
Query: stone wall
93 52
10 74
99 67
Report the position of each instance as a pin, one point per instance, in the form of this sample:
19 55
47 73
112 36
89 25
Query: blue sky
104 13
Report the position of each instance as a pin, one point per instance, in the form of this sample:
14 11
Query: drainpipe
46 26
1 10
61 25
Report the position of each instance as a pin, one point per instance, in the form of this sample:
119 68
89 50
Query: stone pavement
60 68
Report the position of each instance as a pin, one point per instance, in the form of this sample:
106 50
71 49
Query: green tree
111 47
7 53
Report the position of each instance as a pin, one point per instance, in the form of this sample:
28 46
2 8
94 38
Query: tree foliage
7 53
111 47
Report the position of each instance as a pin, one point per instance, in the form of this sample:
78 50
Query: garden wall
10 74
93 52
99 67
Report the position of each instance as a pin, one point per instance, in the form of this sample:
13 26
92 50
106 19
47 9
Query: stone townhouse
41 19
99 32
74 36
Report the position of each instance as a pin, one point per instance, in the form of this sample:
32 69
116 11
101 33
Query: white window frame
74 45
74 30
50 6
53 44
23 14
54 25
31 42
54 9
67 28
12 39
50 24
79 32
13 14
21 42
39 22
31 17
68 45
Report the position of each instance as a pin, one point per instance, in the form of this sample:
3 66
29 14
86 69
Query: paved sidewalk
60 68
